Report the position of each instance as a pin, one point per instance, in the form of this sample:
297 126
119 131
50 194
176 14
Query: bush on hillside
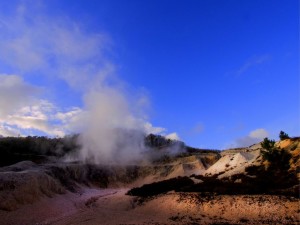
283 135
278 158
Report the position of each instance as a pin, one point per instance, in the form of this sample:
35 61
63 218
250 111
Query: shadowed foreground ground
113 206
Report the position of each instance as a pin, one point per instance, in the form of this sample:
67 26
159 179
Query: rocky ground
208 188
113 206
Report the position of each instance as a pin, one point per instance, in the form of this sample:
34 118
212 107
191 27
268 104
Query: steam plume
110 132
64 51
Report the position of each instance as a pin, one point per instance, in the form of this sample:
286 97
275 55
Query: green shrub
278 158
283 135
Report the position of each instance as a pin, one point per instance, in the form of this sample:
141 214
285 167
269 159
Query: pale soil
234 164
112 206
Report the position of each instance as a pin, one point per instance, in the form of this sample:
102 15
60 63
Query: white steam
110 132
111 124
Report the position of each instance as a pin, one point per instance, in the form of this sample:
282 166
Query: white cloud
20 109
31 41
68 116
253 137
42 116
149 129
259 133
8 131
33 117
173 136
14 93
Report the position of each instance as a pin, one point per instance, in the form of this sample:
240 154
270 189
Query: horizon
212 74
158 135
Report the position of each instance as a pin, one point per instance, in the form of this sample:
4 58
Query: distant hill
38 148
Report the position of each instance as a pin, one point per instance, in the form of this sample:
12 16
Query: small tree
283 135
268 144
268 148
278 158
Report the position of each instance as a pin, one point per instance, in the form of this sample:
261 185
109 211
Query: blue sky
217 73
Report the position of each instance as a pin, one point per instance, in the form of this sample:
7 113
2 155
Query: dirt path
52 210
187 208
112 206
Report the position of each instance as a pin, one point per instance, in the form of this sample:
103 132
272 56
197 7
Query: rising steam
60 49
110 132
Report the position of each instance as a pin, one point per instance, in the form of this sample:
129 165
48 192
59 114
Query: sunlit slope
235 161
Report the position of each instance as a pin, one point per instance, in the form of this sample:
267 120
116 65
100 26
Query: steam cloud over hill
82 62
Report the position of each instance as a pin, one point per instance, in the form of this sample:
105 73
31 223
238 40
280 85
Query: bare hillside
235 186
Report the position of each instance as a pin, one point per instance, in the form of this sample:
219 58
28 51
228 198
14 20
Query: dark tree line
34 148
158 141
